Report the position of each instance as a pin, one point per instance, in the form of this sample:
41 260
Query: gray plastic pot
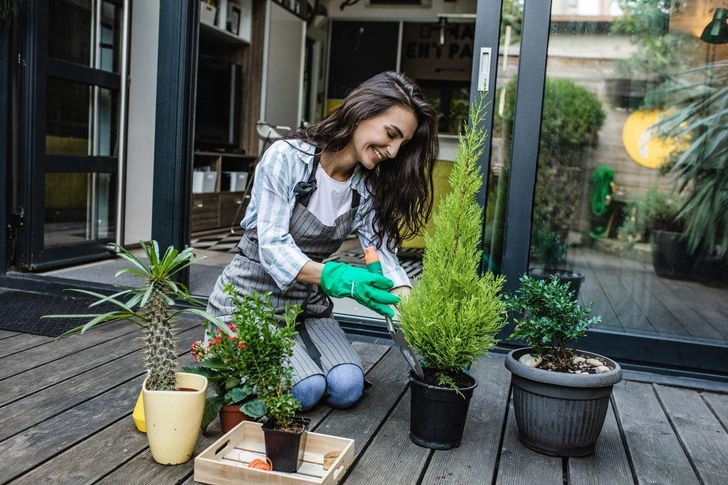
560 414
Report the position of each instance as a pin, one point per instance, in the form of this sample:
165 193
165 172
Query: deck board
700 432
474 461
655 450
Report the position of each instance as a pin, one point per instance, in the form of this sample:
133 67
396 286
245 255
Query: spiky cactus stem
161 356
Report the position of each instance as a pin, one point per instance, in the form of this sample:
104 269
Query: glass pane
68 113
110 42
632 191
108 122
439 56
69 130
70 31
72 36
79 207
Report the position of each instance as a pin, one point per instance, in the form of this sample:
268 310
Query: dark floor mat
21 312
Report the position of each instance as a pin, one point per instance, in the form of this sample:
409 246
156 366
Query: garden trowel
372 261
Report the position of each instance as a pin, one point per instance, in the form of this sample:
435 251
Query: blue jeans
345 384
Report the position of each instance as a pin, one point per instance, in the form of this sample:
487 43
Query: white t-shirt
330 199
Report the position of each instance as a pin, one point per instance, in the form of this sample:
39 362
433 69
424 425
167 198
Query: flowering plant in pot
172 419
223 361
451 316
556 387
266 365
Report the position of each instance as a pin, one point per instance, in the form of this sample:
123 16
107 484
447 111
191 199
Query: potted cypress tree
451 316
172 418
560 395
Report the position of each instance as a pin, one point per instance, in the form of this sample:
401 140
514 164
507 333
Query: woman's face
380 138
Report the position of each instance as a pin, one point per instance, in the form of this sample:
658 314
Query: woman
366 168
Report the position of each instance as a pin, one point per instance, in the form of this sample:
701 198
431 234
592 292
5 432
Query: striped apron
321 344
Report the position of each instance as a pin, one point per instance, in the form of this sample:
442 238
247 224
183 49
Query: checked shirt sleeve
276 175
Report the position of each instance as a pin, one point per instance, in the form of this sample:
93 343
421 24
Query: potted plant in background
572 117
172 418
224 363
560 395
451 316
268 347
699 98
655 217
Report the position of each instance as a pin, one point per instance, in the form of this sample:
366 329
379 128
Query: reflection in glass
110 41
70 31
632 182
68 111
108 122
79 207
72 34
68 128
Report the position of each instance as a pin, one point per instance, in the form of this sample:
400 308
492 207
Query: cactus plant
151 306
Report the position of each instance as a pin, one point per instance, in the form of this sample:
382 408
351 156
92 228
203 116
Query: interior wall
283 72
142 108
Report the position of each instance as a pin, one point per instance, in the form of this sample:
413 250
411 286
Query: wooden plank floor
631 298
65 418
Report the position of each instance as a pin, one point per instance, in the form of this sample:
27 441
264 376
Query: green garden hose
601 195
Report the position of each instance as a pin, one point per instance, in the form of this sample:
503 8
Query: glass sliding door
71 200
630 196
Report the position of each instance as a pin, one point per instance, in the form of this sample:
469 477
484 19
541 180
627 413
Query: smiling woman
365 169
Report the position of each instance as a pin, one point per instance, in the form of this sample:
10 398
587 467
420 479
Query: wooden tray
226 460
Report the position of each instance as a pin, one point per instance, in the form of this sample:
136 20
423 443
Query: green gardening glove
342 280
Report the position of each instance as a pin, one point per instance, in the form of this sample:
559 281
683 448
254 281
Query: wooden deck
65 418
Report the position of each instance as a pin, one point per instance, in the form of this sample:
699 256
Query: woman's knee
346 384
309 391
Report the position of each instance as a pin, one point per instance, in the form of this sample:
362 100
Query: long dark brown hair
402 187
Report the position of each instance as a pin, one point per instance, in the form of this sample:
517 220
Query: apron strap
303 190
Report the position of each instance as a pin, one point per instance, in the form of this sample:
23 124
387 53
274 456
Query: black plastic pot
285 449
670 256
557 413
574 280
438 414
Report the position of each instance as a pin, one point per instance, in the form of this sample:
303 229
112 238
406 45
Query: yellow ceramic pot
173 418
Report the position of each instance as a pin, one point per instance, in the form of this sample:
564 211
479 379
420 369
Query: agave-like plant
700 169
152 306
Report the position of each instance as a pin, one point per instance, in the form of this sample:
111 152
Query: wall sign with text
425 57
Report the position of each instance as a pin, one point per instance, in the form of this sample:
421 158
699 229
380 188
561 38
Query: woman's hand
342 280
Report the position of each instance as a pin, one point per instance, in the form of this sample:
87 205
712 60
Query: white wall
142 109
283 72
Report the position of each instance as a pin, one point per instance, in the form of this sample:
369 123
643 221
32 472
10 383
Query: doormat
21 312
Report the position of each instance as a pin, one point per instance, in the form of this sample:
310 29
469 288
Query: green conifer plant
453 313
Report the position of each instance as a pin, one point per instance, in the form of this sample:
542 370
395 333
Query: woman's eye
390 135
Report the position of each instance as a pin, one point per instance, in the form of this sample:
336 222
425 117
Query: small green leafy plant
548 318
264 362
451 316
153 307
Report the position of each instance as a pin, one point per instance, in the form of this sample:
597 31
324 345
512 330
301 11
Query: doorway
70 115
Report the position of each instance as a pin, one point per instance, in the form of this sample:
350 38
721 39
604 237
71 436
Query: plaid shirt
271 205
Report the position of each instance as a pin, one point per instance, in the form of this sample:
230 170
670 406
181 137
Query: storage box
225 461
234 181
207 14
203 182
